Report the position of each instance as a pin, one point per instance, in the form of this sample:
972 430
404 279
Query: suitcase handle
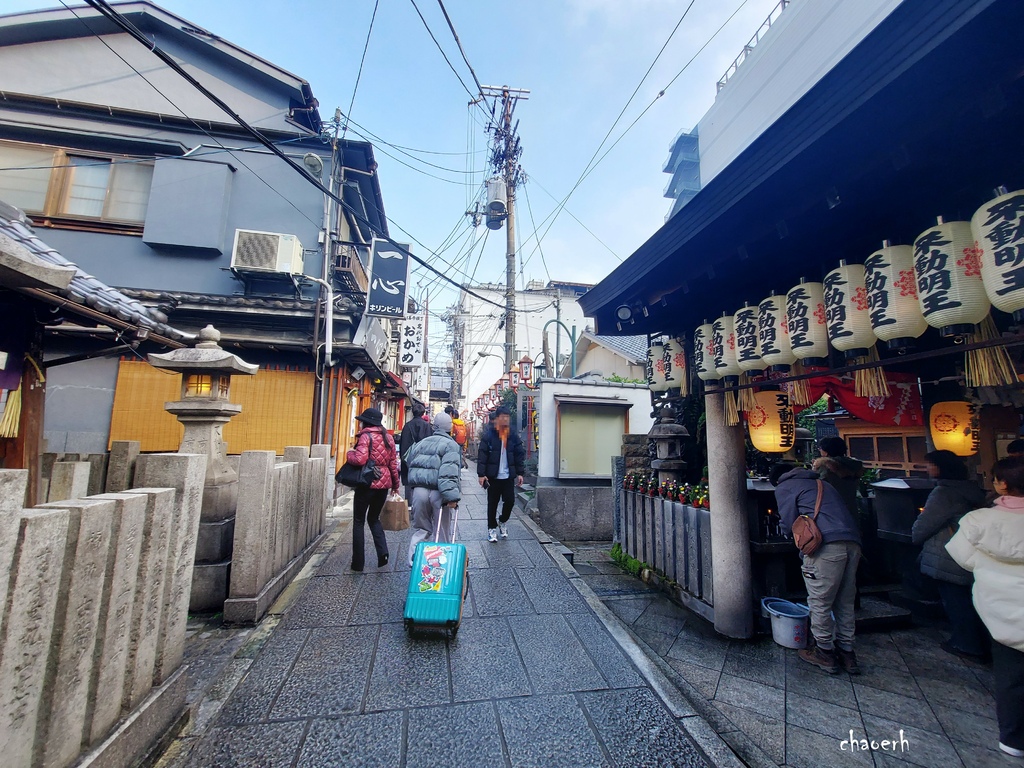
455 522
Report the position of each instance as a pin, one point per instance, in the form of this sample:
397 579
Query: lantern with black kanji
998 231
954 426
773 333
675 365
805 313
892 295
748 350
703 357
846 310
771 423
723 344
948 271
656 381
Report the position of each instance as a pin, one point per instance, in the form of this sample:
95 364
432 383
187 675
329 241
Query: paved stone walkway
534 677
774 709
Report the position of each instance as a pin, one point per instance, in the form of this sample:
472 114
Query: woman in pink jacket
374 442
990 543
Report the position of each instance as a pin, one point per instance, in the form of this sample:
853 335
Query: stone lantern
668 438
204 409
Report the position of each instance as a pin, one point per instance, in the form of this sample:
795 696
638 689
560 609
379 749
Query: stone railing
93 615
674 539
73 475
281 515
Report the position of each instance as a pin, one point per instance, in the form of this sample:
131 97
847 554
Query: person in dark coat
954 495
500 458
830 574
840 471
415 429
372 442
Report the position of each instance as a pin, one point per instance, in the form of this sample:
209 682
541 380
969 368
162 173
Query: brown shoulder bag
806 534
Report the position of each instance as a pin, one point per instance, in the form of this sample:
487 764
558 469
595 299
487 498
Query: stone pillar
286 478
730 535
70 480
97 473
300 528
121 466
323 451
252 560
13 485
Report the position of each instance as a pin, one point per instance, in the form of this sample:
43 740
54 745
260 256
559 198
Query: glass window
890 450
916 449
862 448
25 176
87 179
129 191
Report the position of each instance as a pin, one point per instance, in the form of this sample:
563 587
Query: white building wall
804 43
640 421
534 308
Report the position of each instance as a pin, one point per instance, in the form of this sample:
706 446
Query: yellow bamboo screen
277 409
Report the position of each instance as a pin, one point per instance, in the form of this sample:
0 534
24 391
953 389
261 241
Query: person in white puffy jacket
990 542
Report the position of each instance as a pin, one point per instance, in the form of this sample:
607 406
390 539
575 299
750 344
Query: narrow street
534 676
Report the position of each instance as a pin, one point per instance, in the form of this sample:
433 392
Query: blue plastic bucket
789 622
765 602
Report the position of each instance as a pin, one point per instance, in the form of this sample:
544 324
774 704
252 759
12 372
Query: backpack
806 534
459 431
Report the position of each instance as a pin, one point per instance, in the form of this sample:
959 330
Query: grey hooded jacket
934 527
436 462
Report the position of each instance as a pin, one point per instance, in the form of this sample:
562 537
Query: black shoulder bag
355 476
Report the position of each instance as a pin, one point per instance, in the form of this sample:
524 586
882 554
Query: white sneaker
503 530
1011 750
492 534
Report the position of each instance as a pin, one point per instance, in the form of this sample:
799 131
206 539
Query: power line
479 88
359 74
123 23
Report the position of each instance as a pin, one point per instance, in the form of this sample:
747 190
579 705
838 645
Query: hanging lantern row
805 313
950 289
748 351
773 333
891 287
846 311
998 231
723 345
703 353
666 365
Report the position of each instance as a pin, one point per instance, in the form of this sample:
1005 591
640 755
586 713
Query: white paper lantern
748 350
703 359
675 363
846 310
949 286
773 332
723 344
771 423
892 295
998 230
656 381
805 313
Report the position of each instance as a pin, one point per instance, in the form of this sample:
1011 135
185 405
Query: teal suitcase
437 586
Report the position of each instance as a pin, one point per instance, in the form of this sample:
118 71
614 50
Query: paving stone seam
593 727
663 685
302 743
505 752
284 678
522 660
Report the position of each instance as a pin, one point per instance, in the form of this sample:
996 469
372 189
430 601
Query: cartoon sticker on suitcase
435 558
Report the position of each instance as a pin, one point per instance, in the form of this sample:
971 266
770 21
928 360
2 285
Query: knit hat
443 423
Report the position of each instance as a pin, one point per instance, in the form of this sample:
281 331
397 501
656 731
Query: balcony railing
749 47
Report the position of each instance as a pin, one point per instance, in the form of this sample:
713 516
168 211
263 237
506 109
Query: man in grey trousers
435 466
830 573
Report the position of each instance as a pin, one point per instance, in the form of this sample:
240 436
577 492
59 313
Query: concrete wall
79 398
602 359
807 40
640 421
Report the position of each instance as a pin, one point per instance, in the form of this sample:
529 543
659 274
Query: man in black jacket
501 458
414 430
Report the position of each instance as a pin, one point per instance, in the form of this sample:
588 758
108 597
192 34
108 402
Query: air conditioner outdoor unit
266 252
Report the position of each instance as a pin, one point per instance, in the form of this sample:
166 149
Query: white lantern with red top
805 314
723 345
998 230
847 318
748 349
773 333
949 286
656 381
703 357
892 296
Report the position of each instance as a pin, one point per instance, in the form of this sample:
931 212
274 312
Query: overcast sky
581 61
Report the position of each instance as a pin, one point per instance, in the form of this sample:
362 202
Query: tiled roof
632 348
84 289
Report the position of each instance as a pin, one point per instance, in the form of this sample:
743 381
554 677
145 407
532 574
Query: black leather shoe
357 570
382 560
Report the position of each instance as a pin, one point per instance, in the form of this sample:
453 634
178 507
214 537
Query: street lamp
572 341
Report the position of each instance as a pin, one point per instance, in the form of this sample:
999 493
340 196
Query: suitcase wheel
409 626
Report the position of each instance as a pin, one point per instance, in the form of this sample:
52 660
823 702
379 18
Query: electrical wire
479 88
123 23
359 74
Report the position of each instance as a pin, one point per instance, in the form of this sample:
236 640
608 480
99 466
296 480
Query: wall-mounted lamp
357 373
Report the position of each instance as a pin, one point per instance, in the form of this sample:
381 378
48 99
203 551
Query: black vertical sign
389 280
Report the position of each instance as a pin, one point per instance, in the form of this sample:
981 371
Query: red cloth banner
902 408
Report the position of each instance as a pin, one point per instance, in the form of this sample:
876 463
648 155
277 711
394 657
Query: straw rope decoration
871 382
12 414
732 414
799 392
747 401
992 366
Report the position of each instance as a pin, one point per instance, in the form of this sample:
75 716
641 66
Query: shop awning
921 119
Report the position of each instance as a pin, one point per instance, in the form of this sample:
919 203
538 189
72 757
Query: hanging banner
389 280
902 408
410 354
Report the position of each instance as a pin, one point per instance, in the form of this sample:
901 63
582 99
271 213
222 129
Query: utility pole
505 160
